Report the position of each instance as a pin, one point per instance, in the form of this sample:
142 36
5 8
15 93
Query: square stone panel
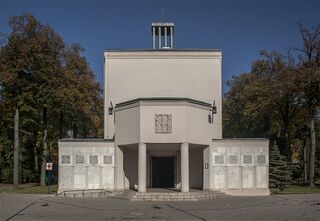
233 159
93 159
107 159
218 159
65 159
79 159
247 159
261 159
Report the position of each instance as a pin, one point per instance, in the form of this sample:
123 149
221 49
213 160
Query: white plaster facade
163 128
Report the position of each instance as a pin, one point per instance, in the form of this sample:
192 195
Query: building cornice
162 101
86 140
163 54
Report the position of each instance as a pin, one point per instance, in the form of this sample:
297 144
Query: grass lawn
31 190
296 189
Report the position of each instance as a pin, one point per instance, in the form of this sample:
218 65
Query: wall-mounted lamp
214 107
213 111
111 108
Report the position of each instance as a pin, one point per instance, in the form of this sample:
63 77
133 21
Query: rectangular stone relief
163 123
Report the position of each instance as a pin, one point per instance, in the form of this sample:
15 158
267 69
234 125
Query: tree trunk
312 153
36 164
45 149
60 124
16 150
305 163
75 129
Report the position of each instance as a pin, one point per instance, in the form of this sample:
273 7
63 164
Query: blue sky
239 28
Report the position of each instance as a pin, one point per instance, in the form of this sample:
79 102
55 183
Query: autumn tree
309 85
54 89
279 99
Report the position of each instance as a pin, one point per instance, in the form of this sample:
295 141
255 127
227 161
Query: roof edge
242 138
85 140
158 50
170 99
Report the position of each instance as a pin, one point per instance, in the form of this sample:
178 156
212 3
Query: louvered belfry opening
162 35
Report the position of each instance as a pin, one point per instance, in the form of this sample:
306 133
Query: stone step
175 196
93 193
148 196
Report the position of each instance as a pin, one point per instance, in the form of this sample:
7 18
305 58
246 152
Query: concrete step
148 196
87 193
192 196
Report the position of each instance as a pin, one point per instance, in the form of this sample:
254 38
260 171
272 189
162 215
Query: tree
16 150
54 89
279 99
309 85
279 170
263 102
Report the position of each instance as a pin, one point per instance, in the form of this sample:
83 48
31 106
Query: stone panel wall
86 164
240 166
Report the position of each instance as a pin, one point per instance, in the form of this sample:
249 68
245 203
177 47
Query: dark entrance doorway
162 172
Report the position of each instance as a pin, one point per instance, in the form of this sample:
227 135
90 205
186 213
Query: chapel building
163 127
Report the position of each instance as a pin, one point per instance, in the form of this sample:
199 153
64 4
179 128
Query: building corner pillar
159 41
142 167
118 170
153 38
171 37
184 167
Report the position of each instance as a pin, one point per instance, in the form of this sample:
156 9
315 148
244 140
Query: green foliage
296 190
6 174
6 160
279 169
39 71
31 190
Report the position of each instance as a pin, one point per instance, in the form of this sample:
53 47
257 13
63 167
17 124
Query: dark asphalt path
276 207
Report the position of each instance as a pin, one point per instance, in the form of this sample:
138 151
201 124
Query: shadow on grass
30 189
297 189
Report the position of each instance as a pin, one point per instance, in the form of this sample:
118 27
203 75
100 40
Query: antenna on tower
162 13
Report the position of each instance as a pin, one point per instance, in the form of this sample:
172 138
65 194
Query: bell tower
162 35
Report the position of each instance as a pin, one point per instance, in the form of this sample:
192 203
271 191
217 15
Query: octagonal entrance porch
167 166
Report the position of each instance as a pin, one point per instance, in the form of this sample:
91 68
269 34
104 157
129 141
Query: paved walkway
169 190
276 207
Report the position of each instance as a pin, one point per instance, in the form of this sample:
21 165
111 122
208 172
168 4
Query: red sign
48 166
